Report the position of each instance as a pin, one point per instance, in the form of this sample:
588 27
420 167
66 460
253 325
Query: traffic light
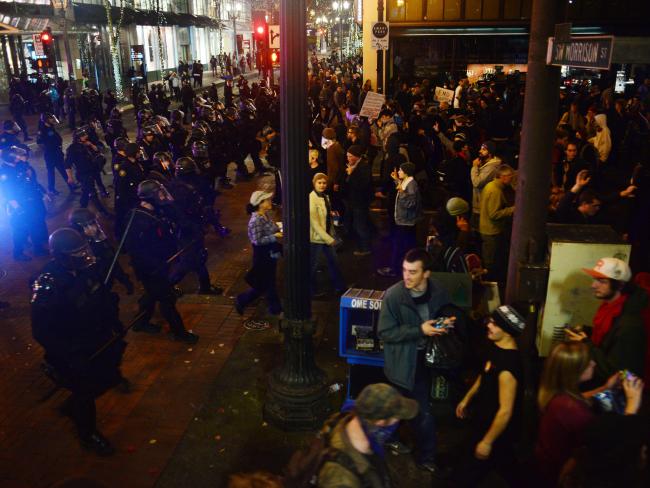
261 30
46 36
275 56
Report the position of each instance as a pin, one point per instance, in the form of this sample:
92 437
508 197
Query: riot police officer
17 109
24 196
85 222
151 243
53 153
127 175
193 198
151 144
114 128
84 156
73 316
163 165
9 136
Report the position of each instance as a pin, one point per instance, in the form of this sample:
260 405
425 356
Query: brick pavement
170 380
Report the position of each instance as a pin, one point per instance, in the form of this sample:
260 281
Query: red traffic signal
260 31
46 36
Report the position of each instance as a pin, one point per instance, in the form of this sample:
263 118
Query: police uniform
150 243
87 170
18 183
127 175
53 154
73 316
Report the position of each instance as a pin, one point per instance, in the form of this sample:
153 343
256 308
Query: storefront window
434 9
452 9
473 9
490 9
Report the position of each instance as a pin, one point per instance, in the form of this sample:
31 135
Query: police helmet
70 249
161 156
131 150
231 113
151 130
154 192
247 105
120 143
79 133
48 118
145 114
11 127
177 116
162 122
14 154
200 149
186 165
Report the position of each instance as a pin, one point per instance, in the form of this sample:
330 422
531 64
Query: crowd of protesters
455 162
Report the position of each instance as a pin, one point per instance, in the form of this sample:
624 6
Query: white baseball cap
612 268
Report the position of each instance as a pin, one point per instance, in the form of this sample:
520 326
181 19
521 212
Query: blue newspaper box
359 317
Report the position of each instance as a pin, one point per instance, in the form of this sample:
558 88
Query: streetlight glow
335 5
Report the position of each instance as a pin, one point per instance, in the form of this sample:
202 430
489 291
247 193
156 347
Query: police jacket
127 176
150 241
73 315
7 140
52 143
82 158
19 183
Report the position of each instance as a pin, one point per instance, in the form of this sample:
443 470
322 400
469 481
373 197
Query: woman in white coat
321 233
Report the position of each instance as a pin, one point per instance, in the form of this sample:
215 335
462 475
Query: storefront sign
380 36
443 95
372 105
581 52
137 52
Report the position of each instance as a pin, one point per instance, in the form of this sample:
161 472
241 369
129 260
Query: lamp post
232 15
340 7
297 390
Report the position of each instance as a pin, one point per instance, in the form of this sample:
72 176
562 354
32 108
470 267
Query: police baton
135 320
119 248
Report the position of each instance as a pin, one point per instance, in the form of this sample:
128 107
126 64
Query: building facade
156 33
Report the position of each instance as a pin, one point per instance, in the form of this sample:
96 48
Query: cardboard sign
443 95
372 105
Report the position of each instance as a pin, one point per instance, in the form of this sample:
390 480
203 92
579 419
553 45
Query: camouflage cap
381 401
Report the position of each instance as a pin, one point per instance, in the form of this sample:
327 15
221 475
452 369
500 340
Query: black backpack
305 464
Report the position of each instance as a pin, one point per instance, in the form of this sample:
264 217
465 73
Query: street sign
380 36
274 36
137 52
593 52
372 105
38 45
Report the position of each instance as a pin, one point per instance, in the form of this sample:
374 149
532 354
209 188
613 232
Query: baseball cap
259 196
506 317
612 268
381 401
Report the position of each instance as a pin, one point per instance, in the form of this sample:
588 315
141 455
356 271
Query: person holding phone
407 319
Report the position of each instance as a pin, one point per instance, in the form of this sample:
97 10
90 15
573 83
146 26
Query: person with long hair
264 235
566 411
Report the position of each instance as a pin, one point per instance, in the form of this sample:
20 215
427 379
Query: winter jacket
335 165
400 329
318 220
602 140
408 205
480 177
495 212
624 346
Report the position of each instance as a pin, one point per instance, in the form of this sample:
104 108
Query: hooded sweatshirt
602 140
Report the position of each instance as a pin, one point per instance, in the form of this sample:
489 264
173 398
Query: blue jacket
399 328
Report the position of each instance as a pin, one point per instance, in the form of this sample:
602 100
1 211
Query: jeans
335 273
423 424
357 219
403 241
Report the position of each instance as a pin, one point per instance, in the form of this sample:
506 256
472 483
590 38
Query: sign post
592 52
380 36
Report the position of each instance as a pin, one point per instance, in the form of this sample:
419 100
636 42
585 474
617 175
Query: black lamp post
297 394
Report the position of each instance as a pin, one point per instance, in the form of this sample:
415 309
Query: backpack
305 465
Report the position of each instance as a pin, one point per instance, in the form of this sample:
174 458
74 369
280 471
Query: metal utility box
569 300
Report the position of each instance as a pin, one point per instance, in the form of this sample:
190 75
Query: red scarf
604 318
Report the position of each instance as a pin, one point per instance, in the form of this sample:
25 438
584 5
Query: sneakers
387 271
398 447
212 290
185 337
362 253
148 328
98 443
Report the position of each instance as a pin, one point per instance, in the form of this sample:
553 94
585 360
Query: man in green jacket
408 317
497 207
359 437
